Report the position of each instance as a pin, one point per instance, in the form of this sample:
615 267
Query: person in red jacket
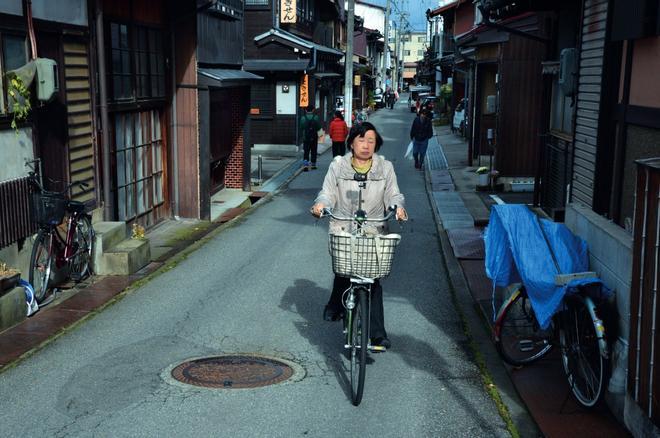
338 132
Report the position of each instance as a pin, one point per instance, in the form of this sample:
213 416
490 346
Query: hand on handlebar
401 214
317 209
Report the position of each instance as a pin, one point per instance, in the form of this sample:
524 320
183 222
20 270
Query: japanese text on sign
287 11
304 91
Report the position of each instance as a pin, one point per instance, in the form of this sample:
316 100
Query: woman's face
364 147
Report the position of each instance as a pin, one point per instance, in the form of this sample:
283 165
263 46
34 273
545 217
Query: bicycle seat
75 207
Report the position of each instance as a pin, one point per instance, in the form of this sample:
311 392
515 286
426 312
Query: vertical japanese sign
287 11
304 91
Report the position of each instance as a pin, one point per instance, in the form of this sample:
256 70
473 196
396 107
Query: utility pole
348 64
386 46
398 68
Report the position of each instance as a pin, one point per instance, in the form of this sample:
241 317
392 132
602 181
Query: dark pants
310 146
377 316
338 148
419 151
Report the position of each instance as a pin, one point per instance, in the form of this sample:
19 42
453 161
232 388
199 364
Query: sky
415 8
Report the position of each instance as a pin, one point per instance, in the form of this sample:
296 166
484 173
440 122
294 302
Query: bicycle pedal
377 348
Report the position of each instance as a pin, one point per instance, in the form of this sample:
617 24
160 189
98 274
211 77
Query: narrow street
259 287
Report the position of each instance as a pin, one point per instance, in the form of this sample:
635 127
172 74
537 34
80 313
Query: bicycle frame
63 247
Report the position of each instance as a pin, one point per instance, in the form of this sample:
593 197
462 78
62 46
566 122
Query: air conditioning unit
568 71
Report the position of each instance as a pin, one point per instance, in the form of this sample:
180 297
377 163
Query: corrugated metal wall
79 109
590 76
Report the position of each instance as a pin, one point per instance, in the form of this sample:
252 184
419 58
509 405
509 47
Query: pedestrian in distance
338 131
420 133
339 193
309 127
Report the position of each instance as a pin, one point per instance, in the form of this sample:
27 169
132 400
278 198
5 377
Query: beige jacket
340 193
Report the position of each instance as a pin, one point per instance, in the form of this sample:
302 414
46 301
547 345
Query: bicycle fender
598 325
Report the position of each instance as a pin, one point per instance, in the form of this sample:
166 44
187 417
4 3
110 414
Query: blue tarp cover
517 252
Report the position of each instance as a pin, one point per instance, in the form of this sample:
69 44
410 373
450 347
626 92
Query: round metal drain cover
235 371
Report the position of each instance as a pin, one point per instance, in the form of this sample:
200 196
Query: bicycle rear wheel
518 337
584 365
358 343
40 265
83 241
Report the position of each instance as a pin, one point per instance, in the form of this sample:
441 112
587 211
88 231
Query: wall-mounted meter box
47 79
568 71
491 102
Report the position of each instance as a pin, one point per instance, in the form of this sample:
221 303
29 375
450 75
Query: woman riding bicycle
339 193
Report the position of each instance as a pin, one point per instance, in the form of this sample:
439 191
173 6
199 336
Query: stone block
12 308
126 258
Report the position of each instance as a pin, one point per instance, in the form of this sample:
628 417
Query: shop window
257 2
137 68
13 55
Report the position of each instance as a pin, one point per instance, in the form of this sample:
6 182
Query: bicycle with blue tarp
554 298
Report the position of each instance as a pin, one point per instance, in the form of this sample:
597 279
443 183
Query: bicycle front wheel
359 342
584 365
518 337
82 241
40 265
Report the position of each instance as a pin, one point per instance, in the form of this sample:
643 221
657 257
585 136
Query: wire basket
48 208
362 256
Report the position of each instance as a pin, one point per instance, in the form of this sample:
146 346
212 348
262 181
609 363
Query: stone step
107 235
125 258
12 308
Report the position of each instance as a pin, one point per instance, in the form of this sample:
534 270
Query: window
420 53
13 55
421 39
139 161
305 10
406 53
257 2
137 69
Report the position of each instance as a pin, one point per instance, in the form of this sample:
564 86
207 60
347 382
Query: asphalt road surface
260 287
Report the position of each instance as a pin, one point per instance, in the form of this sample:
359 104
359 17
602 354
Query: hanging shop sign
287 11
304 91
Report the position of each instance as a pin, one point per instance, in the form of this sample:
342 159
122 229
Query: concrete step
125 258
12 308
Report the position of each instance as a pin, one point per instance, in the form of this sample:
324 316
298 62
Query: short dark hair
339 114
360 130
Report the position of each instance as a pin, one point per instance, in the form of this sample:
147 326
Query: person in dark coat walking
309 127
420 132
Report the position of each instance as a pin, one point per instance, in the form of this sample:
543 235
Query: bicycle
73 250
363 258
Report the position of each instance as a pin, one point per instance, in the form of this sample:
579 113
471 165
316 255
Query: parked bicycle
565 309
363 258
70 248
576 328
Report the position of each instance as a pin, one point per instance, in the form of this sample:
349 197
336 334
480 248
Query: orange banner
304 91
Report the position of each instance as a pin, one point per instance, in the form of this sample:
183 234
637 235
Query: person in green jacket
309 128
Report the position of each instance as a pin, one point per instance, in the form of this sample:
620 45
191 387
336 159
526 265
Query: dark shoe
331 314
381 342
313 166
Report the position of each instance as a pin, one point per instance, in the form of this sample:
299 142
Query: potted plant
484 175
8 277
19 100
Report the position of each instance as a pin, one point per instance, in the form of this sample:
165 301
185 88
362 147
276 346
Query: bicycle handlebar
34 180
328 212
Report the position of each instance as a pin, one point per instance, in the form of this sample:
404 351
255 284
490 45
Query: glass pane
119 132
140 197
114 35
138 130
127 92
125 62
161 85
139 165
557 107
121 169
14 51
121 201
158 188
116 61
130 198
123 36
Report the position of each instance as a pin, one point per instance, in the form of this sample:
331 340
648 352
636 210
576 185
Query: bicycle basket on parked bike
48 208
362 256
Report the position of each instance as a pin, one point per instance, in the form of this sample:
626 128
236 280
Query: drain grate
232 371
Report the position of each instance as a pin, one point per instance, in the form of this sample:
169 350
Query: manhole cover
235 371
